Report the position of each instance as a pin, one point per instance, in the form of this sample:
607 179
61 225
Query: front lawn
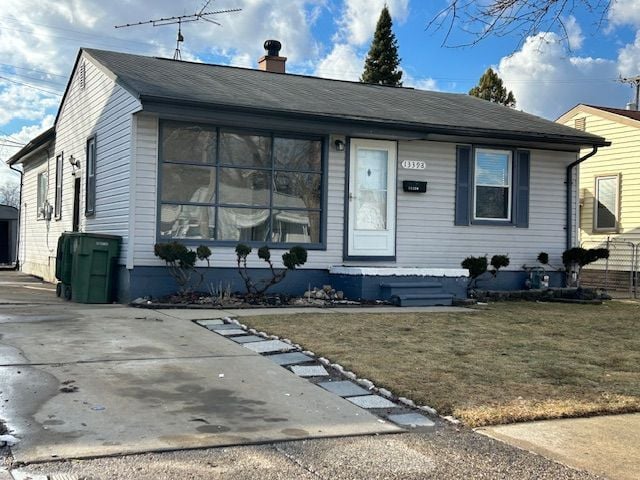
508 362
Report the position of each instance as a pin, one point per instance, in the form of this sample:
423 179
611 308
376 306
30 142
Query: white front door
372 199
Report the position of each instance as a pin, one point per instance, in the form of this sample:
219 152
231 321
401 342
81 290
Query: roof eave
33 146
578 140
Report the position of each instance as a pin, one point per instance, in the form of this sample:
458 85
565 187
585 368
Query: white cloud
548 82
39 40
359 18
244 33
419 83
342 63
575 38
23 103
629 58
22 136
625 12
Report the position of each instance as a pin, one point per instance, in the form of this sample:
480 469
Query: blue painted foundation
157 282
514 280
368 287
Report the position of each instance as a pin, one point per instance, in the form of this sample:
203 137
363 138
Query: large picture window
227 185
492 184
606 203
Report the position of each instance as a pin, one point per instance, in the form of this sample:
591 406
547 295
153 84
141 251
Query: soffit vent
580 123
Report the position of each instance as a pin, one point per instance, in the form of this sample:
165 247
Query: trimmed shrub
181 262
295 257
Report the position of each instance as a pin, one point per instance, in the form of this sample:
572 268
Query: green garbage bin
64 261
93 267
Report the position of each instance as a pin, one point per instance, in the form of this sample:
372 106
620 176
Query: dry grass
509 362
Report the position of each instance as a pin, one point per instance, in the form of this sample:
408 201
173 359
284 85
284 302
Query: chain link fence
618 274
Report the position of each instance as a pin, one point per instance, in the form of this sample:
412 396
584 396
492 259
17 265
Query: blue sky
548 73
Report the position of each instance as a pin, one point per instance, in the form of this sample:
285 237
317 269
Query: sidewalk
607 445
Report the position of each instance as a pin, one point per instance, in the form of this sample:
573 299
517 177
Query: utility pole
634 82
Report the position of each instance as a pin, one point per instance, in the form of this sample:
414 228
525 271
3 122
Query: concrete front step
422 299
398 288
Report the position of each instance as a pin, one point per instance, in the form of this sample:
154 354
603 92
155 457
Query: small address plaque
414 164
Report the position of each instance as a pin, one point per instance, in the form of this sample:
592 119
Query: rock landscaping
222 298
565 295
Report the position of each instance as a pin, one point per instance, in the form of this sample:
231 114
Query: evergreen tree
490 88
381 65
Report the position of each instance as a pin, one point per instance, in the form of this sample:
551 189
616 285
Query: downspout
569 184
17 267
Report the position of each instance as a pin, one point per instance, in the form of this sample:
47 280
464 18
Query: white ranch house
153 150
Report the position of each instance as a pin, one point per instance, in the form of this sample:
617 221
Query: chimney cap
273 48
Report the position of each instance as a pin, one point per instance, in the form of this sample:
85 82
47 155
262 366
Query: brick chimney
272 61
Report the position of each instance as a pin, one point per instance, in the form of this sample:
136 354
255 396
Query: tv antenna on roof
180 19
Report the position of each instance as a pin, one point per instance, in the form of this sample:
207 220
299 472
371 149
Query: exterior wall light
339 145
74 162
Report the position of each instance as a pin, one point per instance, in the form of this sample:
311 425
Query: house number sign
414 164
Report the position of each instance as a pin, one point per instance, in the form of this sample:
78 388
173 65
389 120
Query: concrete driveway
83 381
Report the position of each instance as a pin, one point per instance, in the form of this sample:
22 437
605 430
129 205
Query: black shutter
463 185
522 188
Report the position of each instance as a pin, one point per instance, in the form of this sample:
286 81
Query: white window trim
509 184
595 203
90 180
41 201
58 186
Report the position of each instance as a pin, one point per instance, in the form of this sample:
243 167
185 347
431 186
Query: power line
32 70
30 86
36 80
20 144
8 135
86 34
89 42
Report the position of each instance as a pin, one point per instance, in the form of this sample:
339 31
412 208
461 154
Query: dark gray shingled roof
197 83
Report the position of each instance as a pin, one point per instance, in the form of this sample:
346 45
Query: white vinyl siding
102 108
426 235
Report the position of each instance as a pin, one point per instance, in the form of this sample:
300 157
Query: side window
58 198
43 180
492 187
492 184
90 189
605 216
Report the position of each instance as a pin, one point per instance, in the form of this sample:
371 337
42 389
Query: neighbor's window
90 188
492 183
235 186
606 203
58 199
41 196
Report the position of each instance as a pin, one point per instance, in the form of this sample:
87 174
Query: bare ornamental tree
523 18
10 194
